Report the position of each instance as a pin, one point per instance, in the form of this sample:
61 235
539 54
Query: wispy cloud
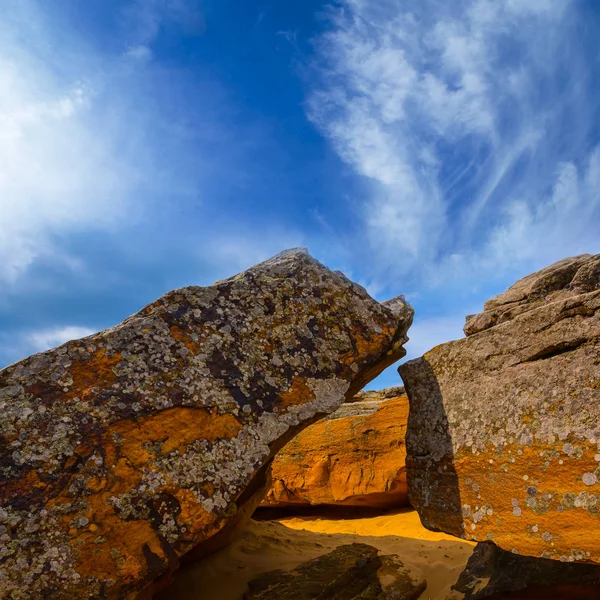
49 338
63 165
85 143
55 174
471 121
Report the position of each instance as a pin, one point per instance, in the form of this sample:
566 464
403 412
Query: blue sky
432 148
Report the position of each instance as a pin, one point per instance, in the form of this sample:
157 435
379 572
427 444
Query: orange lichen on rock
96 370
297 393
130 452
181 336
173 429
354 457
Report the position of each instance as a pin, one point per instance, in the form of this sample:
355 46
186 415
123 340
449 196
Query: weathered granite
503 435
350 572
353 457
122 451
559 281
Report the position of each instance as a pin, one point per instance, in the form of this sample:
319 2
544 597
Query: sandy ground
268 545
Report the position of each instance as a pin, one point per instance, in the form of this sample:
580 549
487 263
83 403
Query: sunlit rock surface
353 457
503 438
123 451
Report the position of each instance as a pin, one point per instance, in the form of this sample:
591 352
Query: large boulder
123 451
353 457
503 436
350 572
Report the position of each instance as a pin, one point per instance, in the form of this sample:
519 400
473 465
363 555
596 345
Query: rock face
350 572
353 457
122 451
503 437
495 573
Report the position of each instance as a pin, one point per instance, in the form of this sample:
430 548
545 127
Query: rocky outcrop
123 451
495 573
353 457
503 437
350 572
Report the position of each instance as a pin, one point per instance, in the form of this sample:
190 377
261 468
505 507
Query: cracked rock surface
123 451
503 437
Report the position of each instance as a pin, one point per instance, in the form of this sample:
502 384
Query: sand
283 544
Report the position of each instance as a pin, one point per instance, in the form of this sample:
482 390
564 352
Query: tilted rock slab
353 457
124 450
503 435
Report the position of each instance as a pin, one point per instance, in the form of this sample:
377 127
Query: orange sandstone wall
354 457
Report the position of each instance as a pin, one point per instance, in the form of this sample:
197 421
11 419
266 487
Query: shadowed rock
353 457
503 437
123 451
495 573
350 572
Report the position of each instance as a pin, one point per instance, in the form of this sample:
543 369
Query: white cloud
440 107
50 338
85 145
567 221
80 146
59 170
